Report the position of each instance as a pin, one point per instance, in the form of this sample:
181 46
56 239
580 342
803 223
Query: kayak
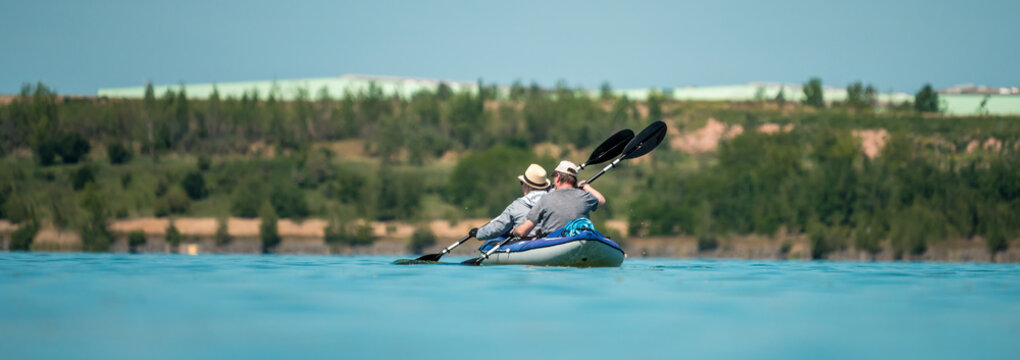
585 249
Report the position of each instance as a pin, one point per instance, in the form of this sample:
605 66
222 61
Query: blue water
240 306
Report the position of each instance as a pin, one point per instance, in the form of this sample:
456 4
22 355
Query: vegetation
135 239
422 238
448 155
268 228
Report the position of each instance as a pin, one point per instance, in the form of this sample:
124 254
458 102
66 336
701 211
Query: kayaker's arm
524 229
596 193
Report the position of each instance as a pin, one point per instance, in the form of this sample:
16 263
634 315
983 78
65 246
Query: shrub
204 163
267 228
349 234
194 185
118 153
173 236
84 175
222 232
21 239
162 186
707 243
46 153
288 200
125 180
17 209
421 239
95 234
996 242
135 239
246 199
174 201
72 148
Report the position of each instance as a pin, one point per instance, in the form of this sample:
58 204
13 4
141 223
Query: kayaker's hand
473 232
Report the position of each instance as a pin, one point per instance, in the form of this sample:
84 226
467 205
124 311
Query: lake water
241 306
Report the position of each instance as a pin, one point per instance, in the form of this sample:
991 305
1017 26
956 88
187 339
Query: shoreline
393 238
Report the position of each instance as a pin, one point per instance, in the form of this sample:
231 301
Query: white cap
567 167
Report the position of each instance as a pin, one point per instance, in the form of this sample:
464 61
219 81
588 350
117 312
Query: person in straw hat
534 184
564 204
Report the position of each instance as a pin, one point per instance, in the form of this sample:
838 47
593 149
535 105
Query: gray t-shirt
561 206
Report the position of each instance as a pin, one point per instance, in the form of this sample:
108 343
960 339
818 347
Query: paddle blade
430 257
645 141
611 148
413 262
472 262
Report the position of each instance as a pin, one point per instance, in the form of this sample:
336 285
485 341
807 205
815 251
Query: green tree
95 233
222 231
173 236
118 153
926 100
135 239
194 185
813 93
267 228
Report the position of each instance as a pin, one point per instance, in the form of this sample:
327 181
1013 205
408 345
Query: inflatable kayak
585 249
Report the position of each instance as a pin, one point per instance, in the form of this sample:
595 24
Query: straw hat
535 177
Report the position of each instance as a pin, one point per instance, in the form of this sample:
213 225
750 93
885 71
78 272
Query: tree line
813 179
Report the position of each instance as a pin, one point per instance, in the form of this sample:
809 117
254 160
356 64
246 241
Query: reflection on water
220 306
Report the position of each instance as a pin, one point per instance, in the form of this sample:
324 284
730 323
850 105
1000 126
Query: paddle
612 147
435 257
643 143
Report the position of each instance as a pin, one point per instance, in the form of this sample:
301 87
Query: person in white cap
562 205
534 184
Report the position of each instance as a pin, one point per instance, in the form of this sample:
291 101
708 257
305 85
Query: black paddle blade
473 262
414 262
645 141
611 148
430 257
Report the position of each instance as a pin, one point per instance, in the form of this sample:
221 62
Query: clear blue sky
81 46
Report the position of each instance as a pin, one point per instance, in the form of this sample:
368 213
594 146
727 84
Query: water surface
233 306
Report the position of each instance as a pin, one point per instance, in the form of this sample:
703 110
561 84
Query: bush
349 234
46 153
17 209
267 228
84 175
135 239
204 163
174 201
173 236
288 200
95 234
421 239
21 239
125 180
162 186
118 153
222 232
707 243
72 148
194 185
246 199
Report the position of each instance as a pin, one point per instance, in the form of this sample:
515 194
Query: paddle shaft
435 257
478 261
603 171
456 244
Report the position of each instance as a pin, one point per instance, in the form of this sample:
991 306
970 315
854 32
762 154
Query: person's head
565 174
534 179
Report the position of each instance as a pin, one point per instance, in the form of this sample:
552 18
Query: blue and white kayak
585 249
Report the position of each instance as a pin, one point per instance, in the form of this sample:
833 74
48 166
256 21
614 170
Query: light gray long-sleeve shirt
513 215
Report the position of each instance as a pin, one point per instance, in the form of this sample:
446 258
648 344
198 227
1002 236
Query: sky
78 47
